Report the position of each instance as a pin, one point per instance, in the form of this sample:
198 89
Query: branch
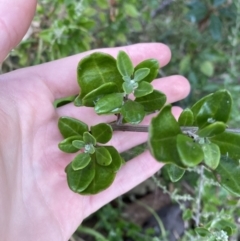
144 128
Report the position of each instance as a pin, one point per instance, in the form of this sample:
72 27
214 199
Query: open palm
35 202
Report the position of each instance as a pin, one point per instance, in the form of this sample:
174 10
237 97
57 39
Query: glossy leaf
79 144
103 156
212 129
211 154
67 146
140 74
91 98
216 108
95 70
89 139
153 101
71 127
186 118
190 152
151 64
104 174
163 132
79 180
175 173
109 103
124 64
133 112
117 160
144 88
229 144
64 101
197 106
228 174
81 161
102 132
78 101
128 87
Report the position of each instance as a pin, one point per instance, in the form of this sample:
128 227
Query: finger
11 29
130 175
60 75
175 87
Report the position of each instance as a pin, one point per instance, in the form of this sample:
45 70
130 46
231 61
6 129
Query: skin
35 201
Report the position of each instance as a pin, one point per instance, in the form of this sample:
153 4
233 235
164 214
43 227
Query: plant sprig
115 87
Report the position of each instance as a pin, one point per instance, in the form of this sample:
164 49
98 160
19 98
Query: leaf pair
132 111
94 177
98 74
133 79
94 169
219 150
77 135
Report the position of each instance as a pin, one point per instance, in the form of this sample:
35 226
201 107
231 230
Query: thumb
15 19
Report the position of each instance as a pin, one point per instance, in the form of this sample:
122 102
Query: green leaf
131 10
71 127
124 64
64 101
216 108
91 98
102 132
223 224
151 64
175 173
80 179
140 74
89 139
133 112
215 27
67 146
197 106
229 144
186 118
163 132
81 161
213 129
190 152
143 89
103 156
187 214
203 232
117 160
104 174
228 174
109 103
78 101
79 144
207 68
185 64
152 102
97 69
128 87
211 154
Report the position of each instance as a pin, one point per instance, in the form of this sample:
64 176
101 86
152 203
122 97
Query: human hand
36 203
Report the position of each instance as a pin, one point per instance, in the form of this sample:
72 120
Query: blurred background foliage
204 37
